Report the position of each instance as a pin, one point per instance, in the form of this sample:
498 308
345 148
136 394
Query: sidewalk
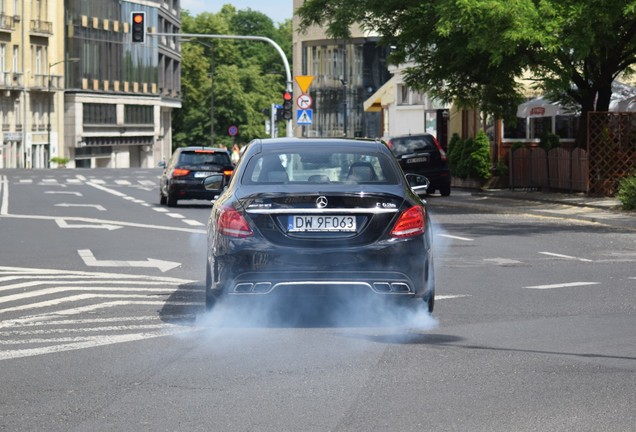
577 206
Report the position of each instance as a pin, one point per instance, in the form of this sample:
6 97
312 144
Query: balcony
41 28
41 82
10 80
7 23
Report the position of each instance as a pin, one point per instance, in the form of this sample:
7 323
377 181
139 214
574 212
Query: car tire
445 190
171 200
162 199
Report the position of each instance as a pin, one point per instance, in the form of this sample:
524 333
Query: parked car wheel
171 200
445 190
162 199
210 297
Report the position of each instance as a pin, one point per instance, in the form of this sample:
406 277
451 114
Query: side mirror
214 182
418 183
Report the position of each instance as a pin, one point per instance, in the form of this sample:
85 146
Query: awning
383 97
540 107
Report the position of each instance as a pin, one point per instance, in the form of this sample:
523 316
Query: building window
16 63
99 114
138 114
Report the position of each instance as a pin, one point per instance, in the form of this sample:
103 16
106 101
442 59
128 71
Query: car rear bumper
400 269
185 189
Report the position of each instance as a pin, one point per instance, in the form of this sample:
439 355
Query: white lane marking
175 215
34 273
98 185
502 261
98 341
61 222
565 256
456 237
24 181
64 192
4 191
64 279
49 180
90 260
95 206
97 182
562 285
73 181
101 221
122 182
60 289
193 222
160 209
451 296
148 183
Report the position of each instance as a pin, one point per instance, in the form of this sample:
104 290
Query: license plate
418 160
328 223
200 174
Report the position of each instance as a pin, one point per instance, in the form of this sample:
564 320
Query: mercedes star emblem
321 202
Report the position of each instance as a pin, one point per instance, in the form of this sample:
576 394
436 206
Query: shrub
627 192
470 158
549 141
59 160
454 153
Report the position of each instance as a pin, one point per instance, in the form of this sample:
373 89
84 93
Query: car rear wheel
162 199
445 190
171 200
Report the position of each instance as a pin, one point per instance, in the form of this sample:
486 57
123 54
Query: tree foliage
474 51
239 78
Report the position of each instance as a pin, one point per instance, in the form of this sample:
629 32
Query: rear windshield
315 166
412 144
204 157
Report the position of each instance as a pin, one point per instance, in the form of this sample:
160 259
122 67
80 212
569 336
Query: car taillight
442 153
411 223
179 172
389 144
233 224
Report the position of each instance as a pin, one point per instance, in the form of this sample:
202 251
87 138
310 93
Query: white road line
563 285
175 215
193 222
98 341
34 273
58 279
87 329
98 185
456 238
24 181
160 209
4 190
64 192
566 256
60 289
122 182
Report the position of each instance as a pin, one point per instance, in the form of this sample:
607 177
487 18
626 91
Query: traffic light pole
288 84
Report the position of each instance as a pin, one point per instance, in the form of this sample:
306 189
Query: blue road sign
304 117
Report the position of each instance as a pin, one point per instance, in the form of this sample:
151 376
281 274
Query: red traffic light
138 18
287 96
138 27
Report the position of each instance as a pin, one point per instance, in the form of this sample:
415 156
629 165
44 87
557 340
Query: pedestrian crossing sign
304 117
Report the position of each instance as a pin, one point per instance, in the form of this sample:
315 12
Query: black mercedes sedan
314 216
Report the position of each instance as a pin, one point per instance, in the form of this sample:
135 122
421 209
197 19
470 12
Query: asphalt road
102 325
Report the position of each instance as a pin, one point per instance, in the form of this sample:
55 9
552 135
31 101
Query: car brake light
411 223
442 153
389 144
180 172
233 224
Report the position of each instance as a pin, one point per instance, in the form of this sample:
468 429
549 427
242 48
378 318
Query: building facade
31 82
120 95
345 73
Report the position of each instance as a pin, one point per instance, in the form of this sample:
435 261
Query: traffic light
138 27
288 106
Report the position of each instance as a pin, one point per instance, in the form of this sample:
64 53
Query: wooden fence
557 169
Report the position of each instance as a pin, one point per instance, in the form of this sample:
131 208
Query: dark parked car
422 154
182 177
317 215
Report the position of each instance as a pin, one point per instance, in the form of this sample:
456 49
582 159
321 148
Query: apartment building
346 73
120 95
74 86
31 83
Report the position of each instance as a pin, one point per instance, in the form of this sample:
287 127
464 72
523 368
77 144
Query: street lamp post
51 97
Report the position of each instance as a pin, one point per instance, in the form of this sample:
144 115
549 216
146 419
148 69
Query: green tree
244 77
473 51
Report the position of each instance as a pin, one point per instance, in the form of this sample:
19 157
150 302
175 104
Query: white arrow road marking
61 222
89 260
96 206
64 192
565 256
456 238
563 285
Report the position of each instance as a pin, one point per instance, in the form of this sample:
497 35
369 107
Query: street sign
304 81
304 101
304 117
232 130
